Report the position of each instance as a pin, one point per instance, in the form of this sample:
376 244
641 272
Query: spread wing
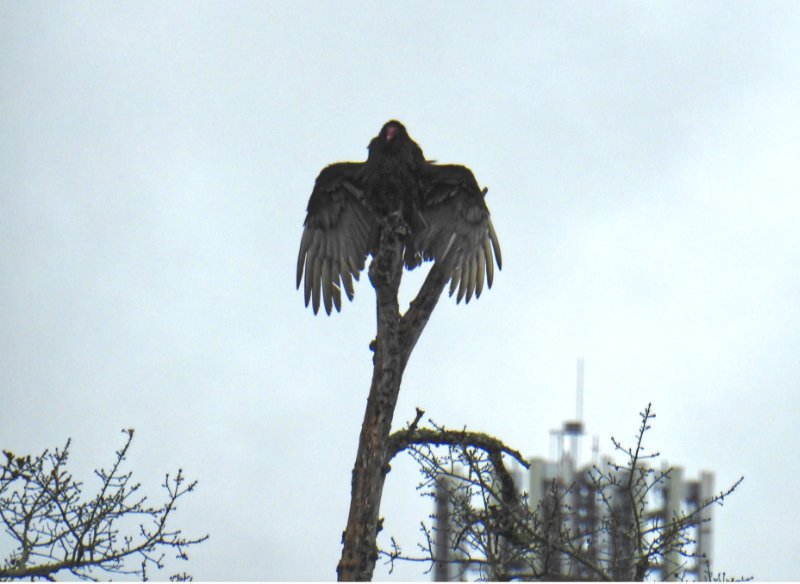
336 238
456 229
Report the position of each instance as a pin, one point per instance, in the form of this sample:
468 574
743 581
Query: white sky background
644 168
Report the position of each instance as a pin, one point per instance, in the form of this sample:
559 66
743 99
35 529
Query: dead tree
396 336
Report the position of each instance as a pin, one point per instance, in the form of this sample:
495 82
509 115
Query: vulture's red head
393 141
393 129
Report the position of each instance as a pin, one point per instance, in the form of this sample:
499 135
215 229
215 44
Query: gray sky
642 165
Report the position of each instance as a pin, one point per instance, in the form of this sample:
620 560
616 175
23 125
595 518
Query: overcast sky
643 166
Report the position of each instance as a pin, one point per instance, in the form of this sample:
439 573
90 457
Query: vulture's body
441 205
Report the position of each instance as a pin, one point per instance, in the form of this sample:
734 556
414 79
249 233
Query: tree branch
416 317
54 529
402 439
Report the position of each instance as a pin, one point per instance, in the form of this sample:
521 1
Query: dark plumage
441 204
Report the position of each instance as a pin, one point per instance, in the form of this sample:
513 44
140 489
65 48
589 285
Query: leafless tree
55 530
493 532
396 337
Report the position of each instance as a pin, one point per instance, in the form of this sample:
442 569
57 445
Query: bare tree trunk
393 344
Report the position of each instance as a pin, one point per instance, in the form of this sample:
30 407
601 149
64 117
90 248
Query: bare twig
56 530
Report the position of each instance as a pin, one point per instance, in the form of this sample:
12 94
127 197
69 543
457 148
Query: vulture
441 206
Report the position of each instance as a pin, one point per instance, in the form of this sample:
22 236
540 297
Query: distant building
668 500
584 512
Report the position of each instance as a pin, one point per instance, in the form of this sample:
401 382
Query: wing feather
336 237
480 274
473 267
316 272
456 229
495 243
347 283
487 254
326 284
454 280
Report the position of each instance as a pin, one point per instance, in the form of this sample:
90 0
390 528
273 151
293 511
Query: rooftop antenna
574 428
